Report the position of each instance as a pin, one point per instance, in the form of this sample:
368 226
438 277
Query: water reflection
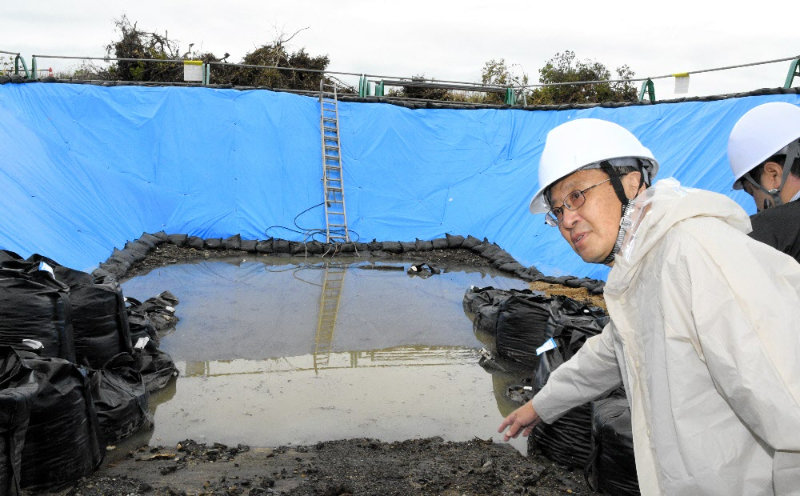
393 357
272 354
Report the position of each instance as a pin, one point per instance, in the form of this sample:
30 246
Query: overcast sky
442 39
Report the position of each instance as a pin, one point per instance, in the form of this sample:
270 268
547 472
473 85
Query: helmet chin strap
792 153
624 221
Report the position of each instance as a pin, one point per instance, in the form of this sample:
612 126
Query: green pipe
793 71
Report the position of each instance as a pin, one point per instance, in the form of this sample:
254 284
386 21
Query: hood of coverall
656 210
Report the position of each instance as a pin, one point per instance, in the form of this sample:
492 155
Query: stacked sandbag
34 305
61 440
99 318
17 393
481 305
151 319
612 468
568 440
120 398
521 326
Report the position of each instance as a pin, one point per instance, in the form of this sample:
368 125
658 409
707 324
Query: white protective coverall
705 337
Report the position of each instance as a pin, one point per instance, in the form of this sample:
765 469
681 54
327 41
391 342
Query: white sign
681 83
193 71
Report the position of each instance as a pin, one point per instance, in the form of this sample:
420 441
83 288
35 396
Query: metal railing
374 84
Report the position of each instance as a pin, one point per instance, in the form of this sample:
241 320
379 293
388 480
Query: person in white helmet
764 156
703 331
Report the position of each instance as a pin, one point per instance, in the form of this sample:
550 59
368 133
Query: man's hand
523 419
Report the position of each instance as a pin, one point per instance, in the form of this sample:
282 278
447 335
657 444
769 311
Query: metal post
648 88
511 98
17 60
794 70
379 89
362 83
32 75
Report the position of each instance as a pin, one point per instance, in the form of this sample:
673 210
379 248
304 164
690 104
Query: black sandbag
233 242
471 242
408 246
264 246
482 305
156 367
195 242
139 249
249 245
490 251
315 247
123 257
374 245
9 256
120 398
139 323
213 243
151 240
99 320
392 247
439 244
612 467
34 305
513 267
162 236
347 247
177 239
568 440
17 393
281 246
160 310
62 441
522 326
297 248
422 245
454 241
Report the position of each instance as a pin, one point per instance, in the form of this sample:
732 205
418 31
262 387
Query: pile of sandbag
532 334
72 379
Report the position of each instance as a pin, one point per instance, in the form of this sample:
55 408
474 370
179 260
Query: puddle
275 351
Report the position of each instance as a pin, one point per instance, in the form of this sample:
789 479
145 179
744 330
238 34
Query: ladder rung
334 188
335 201
328 128
331 147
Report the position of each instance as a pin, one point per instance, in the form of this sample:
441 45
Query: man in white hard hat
764 155
704 321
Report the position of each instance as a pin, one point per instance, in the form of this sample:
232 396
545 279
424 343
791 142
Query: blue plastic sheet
86 168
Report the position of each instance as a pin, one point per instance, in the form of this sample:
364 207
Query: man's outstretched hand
523 419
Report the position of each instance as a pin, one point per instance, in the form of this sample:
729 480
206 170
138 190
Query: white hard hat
586 142
759 134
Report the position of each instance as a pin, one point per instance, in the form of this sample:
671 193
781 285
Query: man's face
592 229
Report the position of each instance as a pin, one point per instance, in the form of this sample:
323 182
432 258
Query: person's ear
631 182
772 175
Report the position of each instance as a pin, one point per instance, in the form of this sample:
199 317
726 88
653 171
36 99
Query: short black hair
756 172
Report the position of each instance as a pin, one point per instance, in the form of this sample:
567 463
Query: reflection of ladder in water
332 184
328 309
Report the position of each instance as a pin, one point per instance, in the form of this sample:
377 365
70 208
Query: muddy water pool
275 351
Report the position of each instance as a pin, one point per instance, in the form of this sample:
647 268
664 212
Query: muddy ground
344 467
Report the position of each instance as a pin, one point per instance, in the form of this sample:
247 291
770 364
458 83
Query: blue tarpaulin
86 168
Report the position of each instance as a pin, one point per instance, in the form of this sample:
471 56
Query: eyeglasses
572 201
